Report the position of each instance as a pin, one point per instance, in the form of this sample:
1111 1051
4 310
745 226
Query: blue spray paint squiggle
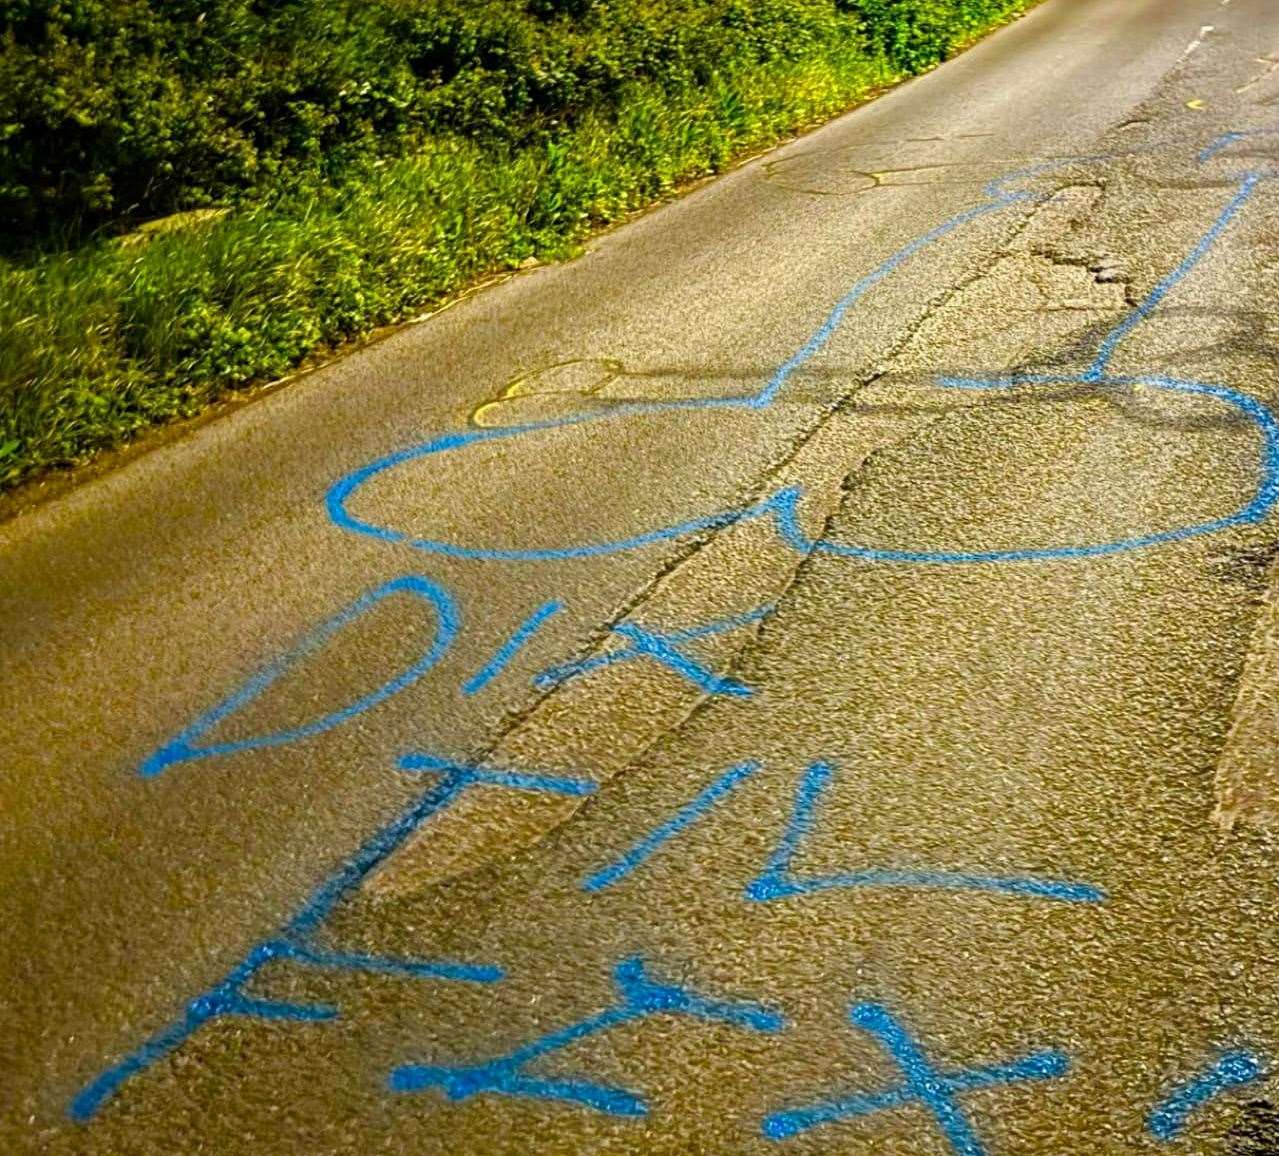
1232 1069
182 748
924 1084
783 506
1258 506
341 493
778 881
639 997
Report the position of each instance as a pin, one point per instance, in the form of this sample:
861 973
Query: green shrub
378 155
116 111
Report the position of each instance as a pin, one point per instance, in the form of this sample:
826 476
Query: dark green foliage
916 34
376 155
113 111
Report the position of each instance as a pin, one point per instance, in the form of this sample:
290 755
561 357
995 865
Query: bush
378 154
116 111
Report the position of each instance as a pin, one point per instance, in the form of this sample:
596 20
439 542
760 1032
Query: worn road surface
756 688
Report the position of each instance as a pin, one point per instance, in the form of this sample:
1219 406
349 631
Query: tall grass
104 341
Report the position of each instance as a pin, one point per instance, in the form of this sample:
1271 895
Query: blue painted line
639 997
1224 141
1247 187
512 646
663 647
719 625
1256 509
466 775
778 881
291 943
1231 1069
925 1085
728 782
821 338
343 490
183 747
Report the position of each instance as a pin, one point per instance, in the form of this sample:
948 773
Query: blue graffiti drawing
663 647
183 748
782 507
511 647
463 774
778 881
639 997
1257 415
294 941
1232 1069
925 1085
728 782
346 488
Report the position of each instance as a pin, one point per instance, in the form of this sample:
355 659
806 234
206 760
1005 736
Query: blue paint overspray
1232 1069
924 1085
183 749
778 881
639 997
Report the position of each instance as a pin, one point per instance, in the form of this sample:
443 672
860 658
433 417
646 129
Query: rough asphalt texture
1005 769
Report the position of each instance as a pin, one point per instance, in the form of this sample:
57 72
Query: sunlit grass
102 342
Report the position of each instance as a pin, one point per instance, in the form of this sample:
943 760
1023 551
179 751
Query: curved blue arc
337 497
342 491
1258 507
783 505
181 749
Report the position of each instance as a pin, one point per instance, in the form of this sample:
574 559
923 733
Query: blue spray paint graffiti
639 997
777 880
783 506
1226 139
663 647
463 774
510 648
925 1085
1152 302
292 942
728 782
183 748
1231 1069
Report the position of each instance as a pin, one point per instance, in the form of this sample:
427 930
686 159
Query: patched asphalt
962 578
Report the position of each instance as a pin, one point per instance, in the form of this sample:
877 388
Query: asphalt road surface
755 688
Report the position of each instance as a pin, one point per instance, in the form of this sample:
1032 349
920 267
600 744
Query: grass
102 342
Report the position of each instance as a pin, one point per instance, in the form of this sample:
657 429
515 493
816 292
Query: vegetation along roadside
197 194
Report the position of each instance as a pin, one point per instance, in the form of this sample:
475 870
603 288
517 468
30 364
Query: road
755 688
